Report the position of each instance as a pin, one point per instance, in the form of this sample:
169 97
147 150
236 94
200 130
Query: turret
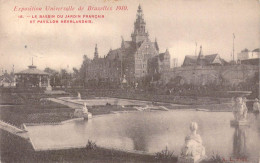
96 52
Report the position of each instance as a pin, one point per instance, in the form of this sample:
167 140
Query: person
256 106
193 144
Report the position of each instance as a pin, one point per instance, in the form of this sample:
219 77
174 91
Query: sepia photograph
129 81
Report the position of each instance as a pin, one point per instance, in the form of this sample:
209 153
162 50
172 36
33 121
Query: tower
96 53
139 33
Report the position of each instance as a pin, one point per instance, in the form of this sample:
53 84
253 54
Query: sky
177 24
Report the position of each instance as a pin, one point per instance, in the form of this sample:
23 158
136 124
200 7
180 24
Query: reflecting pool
152 131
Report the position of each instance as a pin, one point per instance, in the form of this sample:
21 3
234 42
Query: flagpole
196 50
233 47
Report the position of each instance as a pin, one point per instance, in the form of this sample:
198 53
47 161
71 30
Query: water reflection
152 132
240 142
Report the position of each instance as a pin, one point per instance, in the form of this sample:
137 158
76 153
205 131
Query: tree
54 76
83 69
65 78
76 78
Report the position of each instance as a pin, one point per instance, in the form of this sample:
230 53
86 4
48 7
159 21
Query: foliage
165 155
55 79
91 145
215 158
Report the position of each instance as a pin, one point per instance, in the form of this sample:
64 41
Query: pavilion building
32 77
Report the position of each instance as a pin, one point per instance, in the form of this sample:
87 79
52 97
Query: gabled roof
32 71
161 55
210 58
190 60
207 59
113 54
256 50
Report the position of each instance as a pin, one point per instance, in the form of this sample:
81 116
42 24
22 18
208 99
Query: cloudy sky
177 25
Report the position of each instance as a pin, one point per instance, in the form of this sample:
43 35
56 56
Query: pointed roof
156 44
32 70
190 60
113 54
200 53
210 58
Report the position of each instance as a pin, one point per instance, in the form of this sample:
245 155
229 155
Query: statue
240 112
193 150
48 88
85 109
83 112
240 109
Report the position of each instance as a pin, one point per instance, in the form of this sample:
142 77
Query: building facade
246 54
249 57
133 61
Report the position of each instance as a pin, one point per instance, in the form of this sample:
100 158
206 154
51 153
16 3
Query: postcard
129 81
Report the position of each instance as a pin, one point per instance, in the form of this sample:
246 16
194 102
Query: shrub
91 145
215 158
165 155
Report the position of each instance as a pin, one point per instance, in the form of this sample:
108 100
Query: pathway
13 130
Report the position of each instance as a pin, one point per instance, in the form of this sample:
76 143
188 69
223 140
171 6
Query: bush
165 155
91 145
215 158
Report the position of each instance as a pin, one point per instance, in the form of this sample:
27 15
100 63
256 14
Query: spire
139 12
123 42
139 33
200 60
32 66
200 53
96 52
156 44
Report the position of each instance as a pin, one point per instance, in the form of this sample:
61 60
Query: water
152 132
105 100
